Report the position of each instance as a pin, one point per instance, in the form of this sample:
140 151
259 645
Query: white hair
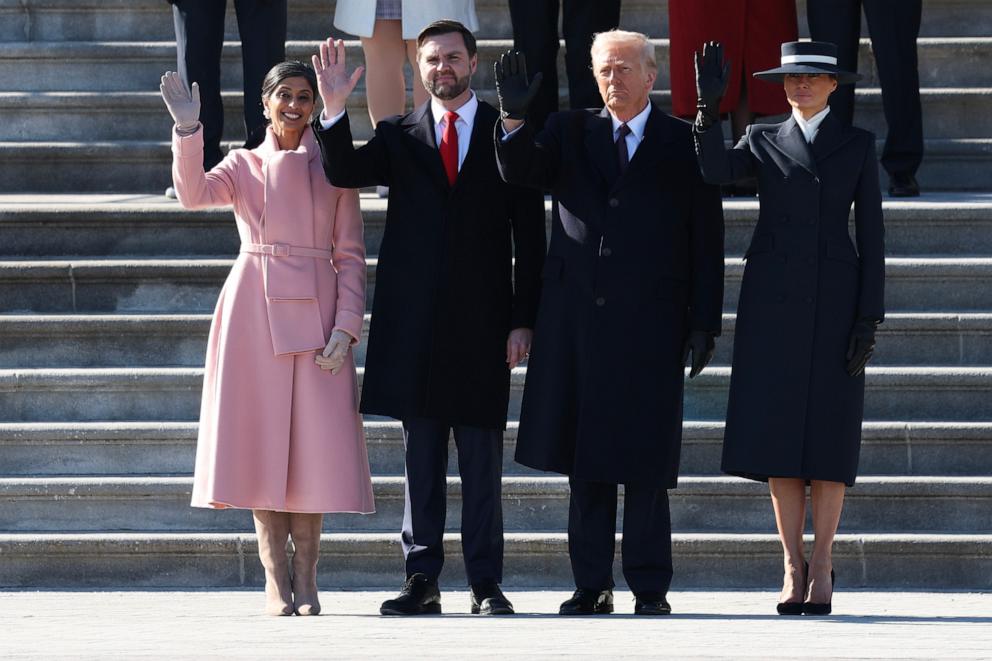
616 36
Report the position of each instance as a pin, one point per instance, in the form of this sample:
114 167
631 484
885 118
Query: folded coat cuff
350 323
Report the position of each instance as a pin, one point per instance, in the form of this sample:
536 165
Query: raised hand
712 76
183 104
333 81
515 92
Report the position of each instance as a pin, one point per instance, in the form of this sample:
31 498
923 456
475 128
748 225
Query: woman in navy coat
809 303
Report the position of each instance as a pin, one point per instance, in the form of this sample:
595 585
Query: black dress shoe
488 599
903 185
419 596
651 604
588 602
813 608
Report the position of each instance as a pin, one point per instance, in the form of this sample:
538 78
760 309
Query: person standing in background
535 34
751 33
199 45
894 26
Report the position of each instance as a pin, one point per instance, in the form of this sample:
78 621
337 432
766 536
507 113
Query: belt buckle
280 250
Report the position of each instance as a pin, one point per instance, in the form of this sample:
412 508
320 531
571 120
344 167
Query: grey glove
183 104
712 76
515 93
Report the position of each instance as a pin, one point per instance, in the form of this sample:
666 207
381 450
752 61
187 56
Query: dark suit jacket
447 289
794 411
635 263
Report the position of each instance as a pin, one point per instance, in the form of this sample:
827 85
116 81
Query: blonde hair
617 36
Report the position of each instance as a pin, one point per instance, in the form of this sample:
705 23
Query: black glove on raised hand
701 345
712 76
514 91
861 345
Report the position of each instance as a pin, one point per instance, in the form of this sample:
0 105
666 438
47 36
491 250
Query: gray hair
616 36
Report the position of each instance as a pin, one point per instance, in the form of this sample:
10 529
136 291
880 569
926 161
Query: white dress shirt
463 125
810 126
636 126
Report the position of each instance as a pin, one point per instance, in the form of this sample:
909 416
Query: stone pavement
733 624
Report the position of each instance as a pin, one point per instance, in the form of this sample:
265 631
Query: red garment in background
751 32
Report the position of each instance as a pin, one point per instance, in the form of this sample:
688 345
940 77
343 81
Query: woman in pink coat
280 432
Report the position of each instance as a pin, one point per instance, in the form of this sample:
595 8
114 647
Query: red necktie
449 146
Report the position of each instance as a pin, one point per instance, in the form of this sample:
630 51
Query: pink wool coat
277 432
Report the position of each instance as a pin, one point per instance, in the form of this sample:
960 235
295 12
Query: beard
448 91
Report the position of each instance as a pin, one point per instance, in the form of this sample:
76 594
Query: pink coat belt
285 250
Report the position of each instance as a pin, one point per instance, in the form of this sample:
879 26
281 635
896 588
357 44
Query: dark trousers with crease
200 41
480 465
647 537
894 26
535 34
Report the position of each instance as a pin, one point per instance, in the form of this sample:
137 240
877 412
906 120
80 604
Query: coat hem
222 505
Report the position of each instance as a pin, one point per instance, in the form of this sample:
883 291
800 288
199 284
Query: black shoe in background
903 185
651 604
588 602
488 599
419 596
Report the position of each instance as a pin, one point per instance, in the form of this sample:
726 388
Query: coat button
816 180
600 302
810 261
812 221
781 298
614 202
606 252
809 299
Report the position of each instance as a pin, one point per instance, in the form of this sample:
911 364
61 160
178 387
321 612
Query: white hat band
803 59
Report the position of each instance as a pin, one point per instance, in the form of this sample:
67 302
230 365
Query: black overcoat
635 262
447 292
793 410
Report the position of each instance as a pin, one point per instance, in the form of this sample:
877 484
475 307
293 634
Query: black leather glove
702 345
712 76
515 93
861 345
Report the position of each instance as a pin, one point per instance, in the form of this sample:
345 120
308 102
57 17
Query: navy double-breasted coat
793 410
635 263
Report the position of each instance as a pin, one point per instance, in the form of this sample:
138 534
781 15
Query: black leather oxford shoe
419 596
588 602
651 604
488 599
903 185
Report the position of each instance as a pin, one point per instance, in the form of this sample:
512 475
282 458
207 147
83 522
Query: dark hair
448 26
275 76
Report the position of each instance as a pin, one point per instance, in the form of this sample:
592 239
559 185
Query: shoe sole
430 609
598 611
492 611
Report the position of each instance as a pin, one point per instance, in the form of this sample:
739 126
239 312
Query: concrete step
121 225
30 116
113 20
87 340
30 449
351 560
700 504
917 284
144 167
173 394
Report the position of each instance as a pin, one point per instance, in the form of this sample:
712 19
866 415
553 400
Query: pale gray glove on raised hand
332 358
183 104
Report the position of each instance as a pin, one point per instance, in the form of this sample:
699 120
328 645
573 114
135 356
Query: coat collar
270 146
830 137
603 151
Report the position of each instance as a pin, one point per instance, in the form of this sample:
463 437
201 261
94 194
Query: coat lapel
790 141
480 142
419 124
600 147
830 137
650 151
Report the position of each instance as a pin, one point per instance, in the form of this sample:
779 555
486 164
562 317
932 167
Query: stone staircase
106 289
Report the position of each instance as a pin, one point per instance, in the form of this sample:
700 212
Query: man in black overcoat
632 284
457 285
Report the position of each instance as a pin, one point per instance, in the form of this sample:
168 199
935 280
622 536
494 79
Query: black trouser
894 26
480 465
199 42
647 537
535 34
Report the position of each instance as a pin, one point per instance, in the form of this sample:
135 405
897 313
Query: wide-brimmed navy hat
808 57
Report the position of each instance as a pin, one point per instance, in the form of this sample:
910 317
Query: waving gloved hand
861 345
334 83
712 76
702 345
514 91
332 358
183 104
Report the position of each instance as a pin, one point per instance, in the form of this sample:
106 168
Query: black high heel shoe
811 608
794 607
